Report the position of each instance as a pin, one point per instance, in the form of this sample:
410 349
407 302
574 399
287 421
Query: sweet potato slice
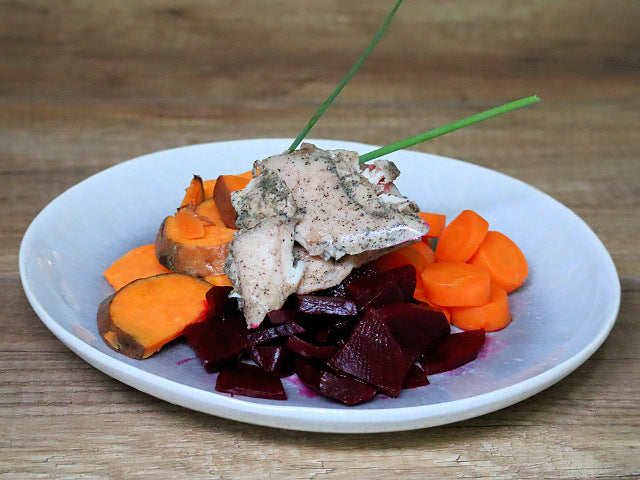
148 313
138 263
225 185
200 257
208 212
194 194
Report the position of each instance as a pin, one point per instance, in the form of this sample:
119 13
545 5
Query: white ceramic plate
561 316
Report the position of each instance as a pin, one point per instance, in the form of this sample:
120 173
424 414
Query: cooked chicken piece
261 266
265 196
320 273
343 214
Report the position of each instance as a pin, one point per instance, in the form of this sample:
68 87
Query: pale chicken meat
307 220
343 212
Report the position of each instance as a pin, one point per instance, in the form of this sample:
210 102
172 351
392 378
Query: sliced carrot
188 225
492 316
141 262
208 186
219 280
503 259
146 314
436 222
456 284
418 254
225 185
462 237
194 193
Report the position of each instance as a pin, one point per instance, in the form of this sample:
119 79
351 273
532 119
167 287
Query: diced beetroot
264 333
334 385
218 343
383 288
277 317
217 299
405 278
307 350
374 294
250 381
274 359
322 305
416 377
453 352
414 328
372 355
356 274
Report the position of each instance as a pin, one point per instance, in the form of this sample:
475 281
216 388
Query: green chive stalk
436 132
347 77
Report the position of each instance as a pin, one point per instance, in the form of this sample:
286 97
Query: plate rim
297 417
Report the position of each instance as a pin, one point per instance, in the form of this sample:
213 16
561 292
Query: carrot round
418 254
456 284
138 263
146 314
492 316
462 237
503 259
436 222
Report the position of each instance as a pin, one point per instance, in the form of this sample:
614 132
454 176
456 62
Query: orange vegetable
208 186
418 254
503 259
208 212
456 284
194 193
225 185
492 316
219 280
140 262
247 175
462 237
148 313
194 256
188 225
436 222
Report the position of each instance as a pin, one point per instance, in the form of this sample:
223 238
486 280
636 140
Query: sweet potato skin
126 343
192 258
114 337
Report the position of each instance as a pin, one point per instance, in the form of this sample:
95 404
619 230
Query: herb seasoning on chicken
308 219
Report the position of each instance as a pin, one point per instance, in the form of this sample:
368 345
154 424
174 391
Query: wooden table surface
87 85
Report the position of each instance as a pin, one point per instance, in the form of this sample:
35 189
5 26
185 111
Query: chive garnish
436 132
344 81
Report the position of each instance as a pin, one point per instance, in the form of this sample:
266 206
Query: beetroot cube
308 350
250 381
217 299
416 377
266 332
454 351
218 343
372 355
334 385
274 359
322 305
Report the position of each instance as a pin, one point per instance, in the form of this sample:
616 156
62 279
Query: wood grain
87 85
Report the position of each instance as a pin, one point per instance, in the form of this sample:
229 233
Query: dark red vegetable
308 350
334 385
322 305
453 352
266 332
274 359
416 377
250 381
372 355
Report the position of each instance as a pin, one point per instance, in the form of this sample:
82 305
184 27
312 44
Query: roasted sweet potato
201 257
225 185
148 313
195 193
138 263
